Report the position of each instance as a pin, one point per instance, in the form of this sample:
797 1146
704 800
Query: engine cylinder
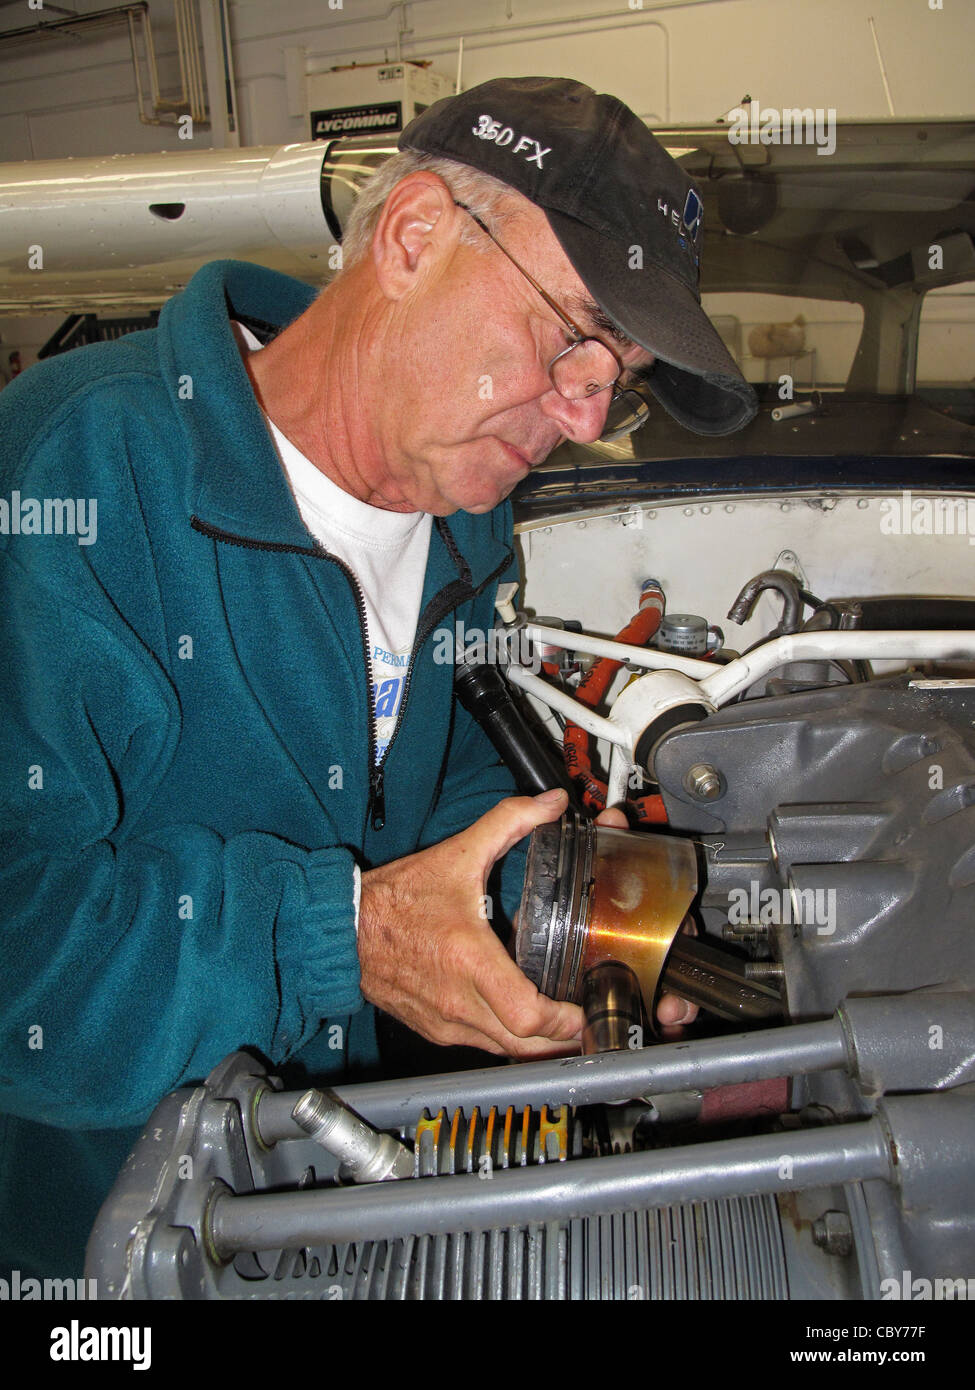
595 894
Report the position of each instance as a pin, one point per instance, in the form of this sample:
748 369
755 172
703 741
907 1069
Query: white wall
832 330
77 96
782 52
946 337
672 63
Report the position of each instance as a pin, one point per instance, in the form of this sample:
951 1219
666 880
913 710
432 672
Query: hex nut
833 1233
703 781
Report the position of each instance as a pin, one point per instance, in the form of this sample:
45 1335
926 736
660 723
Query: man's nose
583 420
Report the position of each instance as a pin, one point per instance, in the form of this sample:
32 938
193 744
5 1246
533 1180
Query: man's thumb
511 820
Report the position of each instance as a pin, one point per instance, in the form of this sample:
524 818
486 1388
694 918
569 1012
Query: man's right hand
429 957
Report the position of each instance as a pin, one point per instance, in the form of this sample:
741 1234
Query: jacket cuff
328 963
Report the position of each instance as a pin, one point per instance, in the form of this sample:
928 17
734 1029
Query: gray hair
491 199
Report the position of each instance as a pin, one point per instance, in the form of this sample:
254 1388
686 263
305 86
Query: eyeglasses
586 366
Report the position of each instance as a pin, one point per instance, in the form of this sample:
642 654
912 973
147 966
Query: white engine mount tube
644 700
646 657
724 682
558 700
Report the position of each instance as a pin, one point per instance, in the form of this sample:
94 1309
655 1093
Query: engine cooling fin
727 1249
724 1249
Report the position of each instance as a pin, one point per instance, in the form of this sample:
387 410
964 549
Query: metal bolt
703 781
744 931
764 970
833 1233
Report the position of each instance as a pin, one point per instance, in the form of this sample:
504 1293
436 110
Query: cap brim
695 378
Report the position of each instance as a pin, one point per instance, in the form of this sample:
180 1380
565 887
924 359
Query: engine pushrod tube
552 1191
760 1055
716 980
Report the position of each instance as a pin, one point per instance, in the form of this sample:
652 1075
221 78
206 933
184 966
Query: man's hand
672 1010
428 955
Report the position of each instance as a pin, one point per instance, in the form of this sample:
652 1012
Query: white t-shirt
387 553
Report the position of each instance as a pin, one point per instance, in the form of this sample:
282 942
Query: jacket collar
213 398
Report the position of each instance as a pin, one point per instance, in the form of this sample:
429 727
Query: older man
241 797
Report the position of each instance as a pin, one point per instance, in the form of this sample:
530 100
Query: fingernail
555 794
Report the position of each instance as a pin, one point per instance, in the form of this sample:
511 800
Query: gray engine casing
882 836
862 798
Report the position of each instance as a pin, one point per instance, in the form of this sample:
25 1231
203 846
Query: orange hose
592 688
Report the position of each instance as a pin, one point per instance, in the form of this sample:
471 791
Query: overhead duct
102 233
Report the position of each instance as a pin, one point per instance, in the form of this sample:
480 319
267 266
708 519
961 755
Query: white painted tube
789 412
559 700
636 705
646 657
619 775
724 682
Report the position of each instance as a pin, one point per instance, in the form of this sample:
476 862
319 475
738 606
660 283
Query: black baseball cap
627 216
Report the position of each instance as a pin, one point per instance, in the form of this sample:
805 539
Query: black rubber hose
485 694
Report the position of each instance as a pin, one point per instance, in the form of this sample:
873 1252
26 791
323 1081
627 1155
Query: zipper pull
377 798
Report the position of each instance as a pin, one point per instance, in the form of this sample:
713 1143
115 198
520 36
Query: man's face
477 408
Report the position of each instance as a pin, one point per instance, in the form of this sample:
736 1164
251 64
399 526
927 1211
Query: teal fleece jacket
185 772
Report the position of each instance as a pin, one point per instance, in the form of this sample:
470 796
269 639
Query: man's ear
417 225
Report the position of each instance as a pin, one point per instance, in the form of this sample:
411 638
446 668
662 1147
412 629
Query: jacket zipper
376 805
422 633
